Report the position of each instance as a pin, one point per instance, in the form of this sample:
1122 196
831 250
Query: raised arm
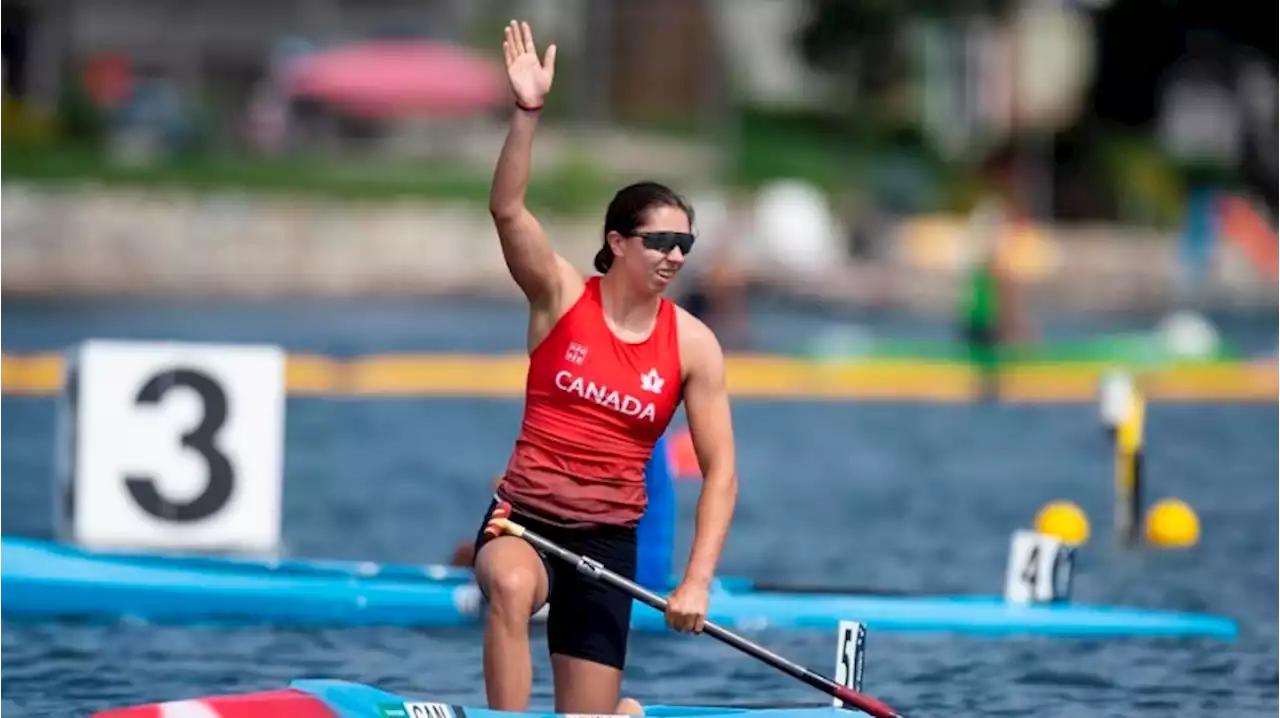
534 266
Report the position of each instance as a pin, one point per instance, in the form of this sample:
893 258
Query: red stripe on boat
267 704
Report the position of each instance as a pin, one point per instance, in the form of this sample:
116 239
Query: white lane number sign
172 445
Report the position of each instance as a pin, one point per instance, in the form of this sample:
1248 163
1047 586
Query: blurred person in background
713 285
991 312
610 361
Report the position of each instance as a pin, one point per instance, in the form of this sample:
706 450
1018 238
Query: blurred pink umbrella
395 78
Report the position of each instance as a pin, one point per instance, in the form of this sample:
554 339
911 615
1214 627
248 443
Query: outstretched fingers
514 39
527 36
517 39
512 43
549 62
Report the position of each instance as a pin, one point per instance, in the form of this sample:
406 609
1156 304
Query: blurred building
222 47
648 60
626 58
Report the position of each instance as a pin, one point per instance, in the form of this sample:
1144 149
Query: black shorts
586 619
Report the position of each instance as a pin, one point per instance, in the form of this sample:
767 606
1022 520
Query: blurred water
891 495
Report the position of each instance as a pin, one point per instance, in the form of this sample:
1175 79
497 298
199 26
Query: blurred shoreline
89 240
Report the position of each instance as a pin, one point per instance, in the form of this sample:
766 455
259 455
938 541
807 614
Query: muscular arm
535 267
706 401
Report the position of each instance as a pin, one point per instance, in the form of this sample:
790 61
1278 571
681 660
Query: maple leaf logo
650 381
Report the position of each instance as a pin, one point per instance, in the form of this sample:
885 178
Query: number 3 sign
172 445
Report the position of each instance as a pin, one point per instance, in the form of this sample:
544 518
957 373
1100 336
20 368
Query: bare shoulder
700 351
568 272
547 309
570 284
565 290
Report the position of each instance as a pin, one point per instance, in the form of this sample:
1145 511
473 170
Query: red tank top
594 408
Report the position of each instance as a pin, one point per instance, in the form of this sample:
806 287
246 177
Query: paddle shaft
595 570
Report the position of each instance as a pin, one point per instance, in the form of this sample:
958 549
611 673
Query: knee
512 592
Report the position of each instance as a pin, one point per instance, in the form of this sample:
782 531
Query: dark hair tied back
627 211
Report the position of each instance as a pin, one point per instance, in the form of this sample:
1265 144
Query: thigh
590 620
510 565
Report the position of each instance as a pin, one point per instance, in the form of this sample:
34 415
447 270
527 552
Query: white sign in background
851 642
173 445
1039 570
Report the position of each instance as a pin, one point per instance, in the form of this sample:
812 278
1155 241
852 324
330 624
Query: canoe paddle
594 570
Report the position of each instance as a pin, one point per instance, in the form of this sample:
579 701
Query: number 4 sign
172 445
1039 570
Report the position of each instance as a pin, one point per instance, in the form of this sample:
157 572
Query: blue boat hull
42 579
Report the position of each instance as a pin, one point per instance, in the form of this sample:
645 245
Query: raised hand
530 78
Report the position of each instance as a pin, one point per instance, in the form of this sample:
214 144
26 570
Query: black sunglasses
666 241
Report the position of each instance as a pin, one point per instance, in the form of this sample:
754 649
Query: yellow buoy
1171 522
1063 520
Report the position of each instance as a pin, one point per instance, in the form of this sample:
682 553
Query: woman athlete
610 361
